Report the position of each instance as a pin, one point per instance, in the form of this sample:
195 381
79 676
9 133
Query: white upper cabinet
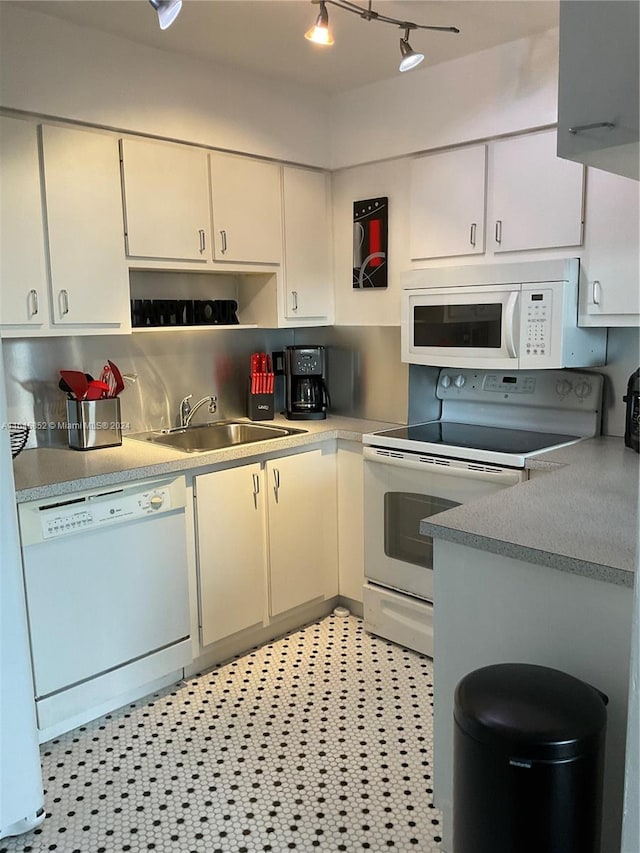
599 78
535 198
89 276
247 210
447 203
166 200
23 279
308 280
610 274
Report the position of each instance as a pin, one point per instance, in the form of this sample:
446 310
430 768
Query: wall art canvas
370 259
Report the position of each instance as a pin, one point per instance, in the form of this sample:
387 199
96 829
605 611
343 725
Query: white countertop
49 471
579 515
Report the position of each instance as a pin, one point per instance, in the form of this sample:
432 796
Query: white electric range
490 423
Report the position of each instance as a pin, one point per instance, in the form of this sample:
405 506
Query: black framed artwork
370 252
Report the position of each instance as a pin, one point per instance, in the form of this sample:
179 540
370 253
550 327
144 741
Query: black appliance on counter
306 396
632 418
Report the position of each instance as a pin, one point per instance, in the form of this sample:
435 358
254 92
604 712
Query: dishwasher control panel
98 510
45 520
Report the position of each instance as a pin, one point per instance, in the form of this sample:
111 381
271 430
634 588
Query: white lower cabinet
231 523
301 494
266 540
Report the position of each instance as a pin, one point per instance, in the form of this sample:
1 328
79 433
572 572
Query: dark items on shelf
183 312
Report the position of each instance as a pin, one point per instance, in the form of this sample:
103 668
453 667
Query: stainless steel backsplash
365 375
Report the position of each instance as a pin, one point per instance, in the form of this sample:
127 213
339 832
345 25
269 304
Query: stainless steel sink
216 436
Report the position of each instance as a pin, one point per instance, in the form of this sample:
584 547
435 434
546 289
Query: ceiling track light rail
320 33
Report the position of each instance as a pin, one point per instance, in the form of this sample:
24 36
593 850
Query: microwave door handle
509 329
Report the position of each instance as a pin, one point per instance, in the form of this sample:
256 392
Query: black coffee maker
306 396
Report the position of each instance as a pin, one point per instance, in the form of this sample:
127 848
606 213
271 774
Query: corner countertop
579 513
50 471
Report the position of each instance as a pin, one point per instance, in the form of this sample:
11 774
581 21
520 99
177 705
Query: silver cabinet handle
595 292
472 234
276 483
256 489
64 302
203 244
33 303
294 300
609 125
498 230
223 237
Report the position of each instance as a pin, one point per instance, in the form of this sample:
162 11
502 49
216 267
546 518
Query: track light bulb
410 58
319 32
168 11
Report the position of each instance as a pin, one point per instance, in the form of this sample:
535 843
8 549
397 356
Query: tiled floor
321 740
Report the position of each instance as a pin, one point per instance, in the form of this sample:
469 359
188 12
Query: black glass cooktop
495 439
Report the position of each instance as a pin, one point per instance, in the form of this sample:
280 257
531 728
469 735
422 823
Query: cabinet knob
498 230
223 238
472 234
203 244
595 292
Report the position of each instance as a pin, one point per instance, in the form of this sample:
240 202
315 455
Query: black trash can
528 761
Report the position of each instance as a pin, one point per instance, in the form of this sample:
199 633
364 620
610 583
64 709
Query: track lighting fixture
409 56
320 33
168 11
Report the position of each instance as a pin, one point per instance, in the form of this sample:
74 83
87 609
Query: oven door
400 489
461 326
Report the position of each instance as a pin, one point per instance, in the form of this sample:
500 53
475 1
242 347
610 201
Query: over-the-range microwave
514 316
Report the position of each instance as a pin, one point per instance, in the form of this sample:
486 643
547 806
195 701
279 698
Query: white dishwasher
107 596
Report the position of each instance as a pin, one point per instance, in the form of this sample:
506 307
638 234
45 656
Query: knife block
261 407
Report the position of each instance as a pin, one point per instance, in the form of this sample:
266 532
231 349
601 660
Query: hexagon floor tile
321 740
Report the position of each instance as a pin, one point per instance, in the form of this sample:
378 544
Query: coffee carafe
306 395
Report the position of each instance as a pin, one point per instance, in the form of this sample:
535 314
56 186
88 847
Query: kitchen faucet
187 411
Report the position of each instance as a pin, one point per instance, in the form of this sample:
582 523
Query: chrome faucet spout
187 412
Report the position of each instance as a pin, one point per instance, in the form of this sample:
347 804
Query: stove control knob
582 389
459 381
445 381
563 387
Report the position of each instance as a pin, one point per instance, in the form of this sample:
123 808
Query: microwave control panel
536 341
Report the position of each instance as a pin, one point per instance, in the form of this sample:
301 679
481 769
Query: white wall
53 68
505 89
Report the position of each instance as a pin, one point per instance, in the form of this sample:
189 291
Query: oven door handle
507 476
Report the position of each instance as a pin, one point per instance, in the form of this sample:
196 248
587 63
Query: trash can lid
530 711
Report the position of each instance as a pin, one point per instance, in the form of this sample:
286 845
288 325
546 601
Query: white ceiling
266 36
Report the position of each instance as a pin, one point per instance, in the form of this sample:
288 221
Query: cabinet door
89 277
23 283
307 256
610 294
166 200
247 210
447 203
536 199
230 516
302 525
598 85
